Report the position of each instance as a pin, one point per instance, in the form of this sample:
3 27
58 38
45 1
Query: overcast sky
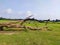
40 9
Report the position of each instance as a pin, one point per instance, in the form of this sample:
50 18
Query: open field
37 37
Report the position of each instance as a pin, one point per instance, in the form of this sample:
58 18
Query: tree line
57 20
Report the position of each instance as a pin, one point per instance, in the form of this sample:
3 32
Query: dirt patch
7 32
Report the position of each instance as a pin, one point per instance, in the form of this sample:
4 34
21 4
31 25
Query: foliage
38 37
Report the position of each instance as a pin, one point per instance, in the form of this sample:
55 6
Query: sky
40 9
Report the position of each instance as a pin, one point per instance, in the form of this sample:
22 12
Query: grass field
38 37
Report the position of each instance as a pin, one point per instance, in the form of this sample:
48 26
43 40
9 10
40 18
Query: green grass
2 21
33 37
6 21
34 24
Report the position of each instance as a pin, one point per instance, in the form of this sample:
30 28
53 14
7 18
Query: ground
30 37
